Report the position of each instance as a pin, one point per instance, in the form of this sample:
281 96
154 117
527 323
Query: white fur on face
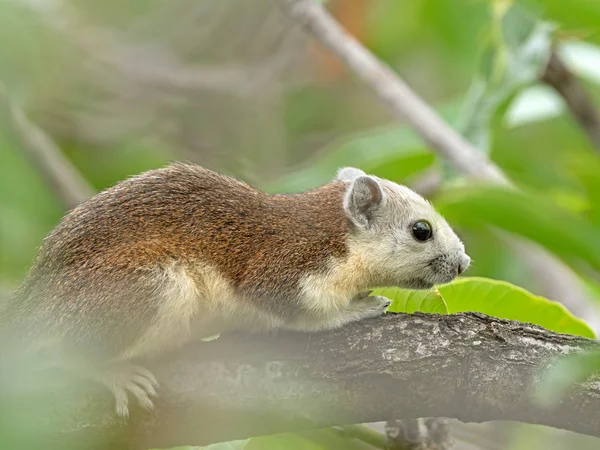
395 256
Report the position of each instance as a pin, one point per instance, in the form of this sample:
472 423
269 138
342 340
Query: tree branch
58 172
558 76
392 90
406 105
466 366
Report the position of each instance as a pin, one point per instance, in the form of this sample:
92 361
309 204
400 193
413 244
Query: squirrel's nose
463 264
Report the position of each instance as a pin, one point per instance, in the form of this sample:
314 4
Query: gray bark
465 366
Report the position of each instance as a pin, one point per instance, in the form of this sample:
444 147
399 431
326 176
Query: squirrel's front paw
135 380
373 306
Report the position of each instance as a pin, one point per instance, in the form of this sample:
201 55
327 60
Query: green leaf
231 445
492 297
285 441
507 301
320 439
534 104
401 167
574 239
391 152
407 301
585 169
582 58
580 17
214 337
372 150
517 51
363 433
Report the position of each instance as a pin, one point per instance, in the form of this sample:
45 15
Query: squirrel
180 253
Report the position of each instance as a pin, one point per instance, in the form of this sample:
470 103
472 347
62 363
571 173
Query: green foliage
26 214
563 375
353 437
582 58
317 440
507 301
576 17
570 236
492 297
408 301
391 151
516 52
231 445
30 53
477 63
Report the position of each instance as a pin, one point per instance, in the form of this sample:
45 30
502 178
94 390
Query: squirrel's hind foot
128 378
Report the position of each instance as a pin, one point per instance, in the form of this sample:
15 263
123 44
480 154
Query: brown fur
95 279
182 252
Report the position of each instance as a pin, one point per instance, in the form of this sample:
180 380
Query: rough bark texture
466 366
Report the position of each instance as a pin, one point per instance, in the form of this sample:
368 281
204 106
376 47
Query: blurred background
93 92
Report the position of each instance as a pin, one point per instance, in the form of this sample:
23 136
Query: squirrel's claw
132 379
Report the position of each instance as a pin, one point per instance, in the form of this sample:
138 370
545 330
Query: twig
558 76
63 178
428 183
404 435
438 432
406 105
153 65
401 100
466 366
417 434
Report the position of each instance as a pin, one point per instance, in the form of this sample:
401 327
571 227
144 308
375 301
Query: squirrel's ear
348 174
363 198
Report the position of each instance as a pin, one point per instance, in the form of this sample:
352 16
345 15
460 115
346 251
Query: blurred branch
201 80
401 100
406 105
63 178
418 434
428 183
558 76
466 366
158 69
403 435
438 433
155 66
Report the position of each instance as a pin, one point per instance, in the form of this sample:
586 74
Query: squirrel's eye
421 230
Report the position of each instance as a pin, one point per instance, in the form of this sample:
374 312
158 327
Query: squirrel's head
401 237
